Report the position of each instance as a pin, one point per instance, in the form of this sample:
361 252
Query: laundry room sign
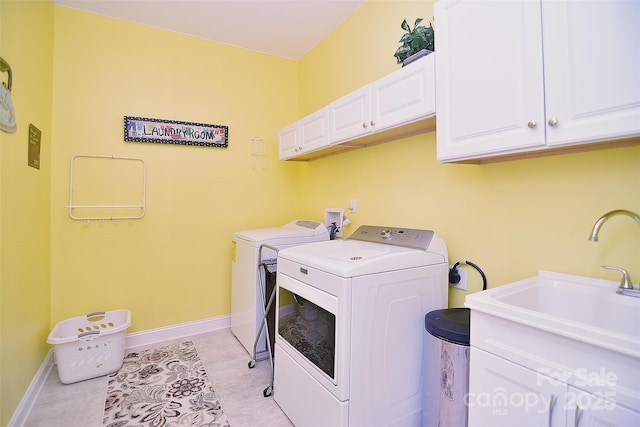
141 129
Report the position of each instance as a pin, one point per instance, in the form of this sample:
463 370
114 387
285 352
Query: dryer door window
307 322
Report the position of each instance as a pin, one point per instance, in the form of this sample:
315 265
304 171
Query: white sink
581 308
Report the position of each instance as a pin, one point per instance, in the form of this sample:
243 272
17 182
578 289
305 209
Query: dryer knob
386 234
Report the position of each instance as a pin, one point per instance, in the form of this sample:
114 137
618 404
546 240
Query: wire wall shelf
112 179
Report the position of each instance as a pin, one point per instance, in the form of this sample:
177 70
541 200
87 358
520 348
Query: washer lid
295 232
351 258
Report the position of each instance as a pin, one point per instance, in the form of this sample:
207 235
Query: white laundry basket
90 346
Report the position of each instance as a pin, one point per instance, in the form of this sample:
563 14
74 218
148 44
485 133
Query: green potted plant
415 43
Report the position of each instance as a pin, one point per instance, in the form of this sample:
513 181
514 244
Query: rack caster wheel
251 364
267 391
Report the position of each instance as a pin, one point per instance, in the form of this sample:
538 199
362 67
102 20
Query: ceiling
284 28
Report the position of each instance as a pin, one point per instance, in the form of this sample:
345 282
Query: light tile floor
239 389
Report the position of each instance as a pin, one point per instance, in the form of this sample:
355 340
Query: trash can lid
450 324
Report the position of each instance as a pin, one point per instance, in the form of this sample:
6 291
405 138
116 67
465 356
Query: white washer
356 356
247 277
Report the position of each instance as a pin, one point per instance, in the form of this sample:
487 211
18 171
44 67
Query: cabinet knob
532 124
553 122
372 123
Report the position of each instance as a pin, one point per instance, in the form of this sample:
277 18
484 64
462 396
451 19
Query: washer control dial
407 237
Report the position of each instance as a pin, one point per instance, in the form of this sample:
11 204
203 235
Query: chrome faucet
626 286
603 218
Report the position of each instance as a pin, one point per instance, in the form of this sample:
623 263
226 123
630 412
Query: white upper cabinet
405 95
306 135
592 70
350 116
288 143
489 77
499 92
398 105
398 98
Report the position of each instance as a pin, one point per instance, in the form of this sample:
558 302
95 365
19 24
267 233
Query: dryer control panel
407 237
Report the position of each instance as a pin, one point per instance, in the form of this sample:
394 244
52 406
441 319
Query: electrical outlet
462 284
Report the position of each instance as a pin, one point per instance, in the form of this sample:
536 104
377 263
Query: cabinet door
592 70
586 409
350 116
404 96
314 131
502 393
288 141
489 78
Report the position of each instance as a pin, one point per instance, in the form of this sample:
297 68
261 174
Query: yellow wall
173 265
511 219
26 30
357 52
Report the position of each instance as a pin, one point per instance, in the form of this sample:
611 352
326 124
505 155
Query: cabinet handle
372 123
364 125
552 403
553 122
532 124
578 414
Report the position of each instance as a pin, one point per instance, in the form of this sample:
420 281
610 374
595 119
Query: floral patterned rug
164 387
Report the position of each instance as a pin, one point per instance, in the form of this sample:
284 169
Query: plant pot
419 54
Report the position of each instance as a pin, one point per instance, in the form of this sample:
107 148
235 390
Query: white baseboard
182 330
20 415
135 339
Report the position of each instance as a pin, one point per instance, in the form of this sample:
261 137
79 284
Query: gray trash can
449 335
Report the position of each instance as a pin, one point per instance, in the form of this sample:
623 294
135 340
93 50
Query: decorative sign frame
141 129
33 156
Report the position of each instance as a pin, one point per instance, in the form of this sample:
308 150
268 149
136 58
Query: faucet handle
625 282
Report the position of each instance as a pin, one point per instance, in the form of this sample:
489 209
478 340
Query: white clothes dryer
247 276
350 340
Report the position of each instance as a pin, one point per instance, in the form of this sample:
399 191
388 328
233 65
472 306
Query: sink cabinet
554 350
586 409
535 76
503 393
527 376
